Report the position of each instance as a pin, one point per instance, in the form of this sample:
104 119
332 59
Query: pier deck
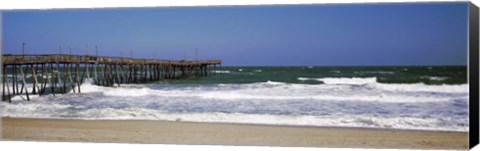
56 73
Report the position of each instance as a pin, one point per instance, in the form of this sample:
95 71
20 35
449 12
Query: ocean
389 97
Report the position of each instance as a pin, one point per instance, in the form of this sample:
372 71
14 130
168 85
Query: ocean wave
374 72
52 112
305 79
372 82
273 90
335 71
353 80
220 71
356 102
370 91
342 80
420 87
434 78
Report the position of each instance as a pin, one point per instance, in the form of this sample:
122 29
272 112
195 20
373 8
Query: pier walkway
58 72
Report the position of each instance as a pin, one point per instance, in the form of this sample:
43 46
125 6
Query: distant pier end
41 74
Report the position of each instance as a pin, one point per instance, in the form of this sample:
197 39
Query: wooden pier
62 72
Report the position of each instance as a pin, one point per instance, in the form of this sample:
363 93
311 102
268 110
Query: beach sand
174 132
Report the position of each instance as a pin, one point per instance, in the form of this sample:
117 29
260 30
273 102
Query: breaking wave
353 102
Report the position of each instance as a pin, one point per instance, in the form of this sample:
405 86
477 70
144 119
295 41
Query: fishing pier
57 73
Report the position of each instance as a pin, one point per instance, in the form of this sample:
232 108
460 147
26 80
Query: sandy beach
169 132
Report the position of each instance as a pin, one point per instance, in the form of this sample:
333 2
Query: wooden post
110 75
135 73
117 74
167 71
105 74
42 85
72 84
44 81
58 79
161 72
95 71
23 76
113 74
206 70
102 73
214 68
6 83
92 66
65 75
120 73
128 69
150 69
34 91
86 68
87 63
78 76
154 71
15 81
132 71
157 72
144 70
35 85
53 83
174 72
4 79
24 83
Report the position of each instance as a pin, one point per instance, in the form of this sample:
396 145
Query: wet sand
195 133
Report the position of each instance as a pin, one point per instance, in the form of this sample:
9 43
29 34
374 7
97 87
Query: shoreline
239 123
199 133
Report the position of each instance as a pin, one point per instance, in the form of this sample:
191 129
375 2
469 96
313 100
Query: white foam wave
335 71
434 78
220 71
305 79
128 92
272 90
45 111
374 72
353 80
135 101
356 98
32 110
420 87
414 87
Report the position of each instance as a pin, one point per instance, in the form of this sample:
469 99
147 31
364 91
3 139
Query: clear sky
324 35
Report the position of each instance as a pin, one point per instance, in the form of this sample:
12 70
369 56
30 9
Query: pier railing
9 59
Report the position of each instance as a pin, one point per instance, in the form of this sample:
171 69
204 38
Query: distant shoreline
172 132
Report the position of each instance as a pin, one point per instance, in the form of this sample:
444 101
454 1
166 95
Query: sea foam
351 102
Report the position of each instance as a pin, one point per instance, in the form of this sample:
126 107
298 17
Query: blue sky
324 35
